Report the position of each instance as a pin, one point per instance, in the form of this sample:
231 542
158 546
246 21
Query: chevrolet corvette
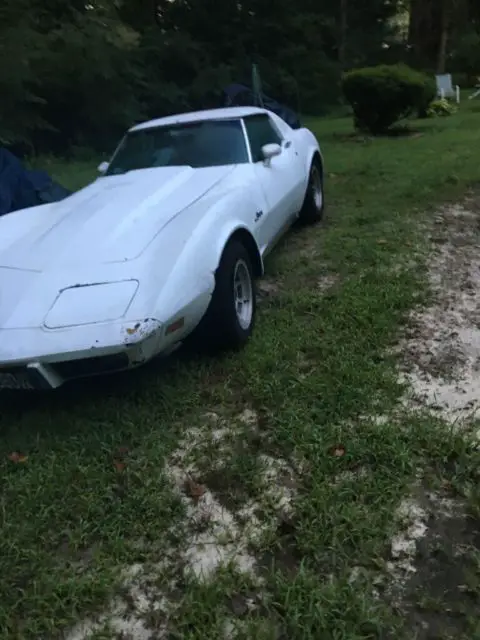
167 243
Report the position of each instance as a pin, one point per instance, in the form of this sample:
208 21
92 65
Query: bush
440 108
381 96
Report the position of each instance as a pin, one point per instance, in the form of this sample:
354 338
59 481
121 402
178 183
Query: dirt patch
284 556
434 567
327 282
442 346
267 288
216 532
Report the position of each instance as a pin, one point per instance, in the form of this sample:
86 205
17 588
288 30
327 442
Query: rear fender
315 154
309 142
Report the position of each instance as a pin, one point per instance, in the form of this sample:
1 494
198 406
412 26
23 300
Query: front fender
231 213
195 244
240 230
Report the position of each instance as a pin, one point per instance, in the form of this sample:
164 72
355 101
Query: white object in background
445 89
476 94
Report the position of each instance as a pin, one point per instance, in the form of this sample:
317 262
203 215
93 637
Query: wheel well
249 243
317 159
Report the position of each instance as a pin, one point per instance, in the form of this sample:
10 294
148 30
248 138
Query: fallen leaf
17 457
338 451
119 459
194 489
382 241
119 466
121 452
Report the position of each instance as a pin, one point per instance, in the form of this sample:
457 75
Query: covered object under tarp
239 95
21 188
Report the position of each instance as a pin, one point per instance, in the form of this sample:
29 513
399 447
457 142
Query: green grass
70 521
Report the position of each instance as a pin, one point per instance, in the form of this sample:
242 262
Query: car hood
112 220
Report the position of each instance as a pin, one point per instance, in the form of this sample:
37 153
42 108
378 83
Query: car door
281 179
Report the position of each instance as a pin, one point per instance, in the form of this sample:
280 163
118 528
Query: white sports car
166 242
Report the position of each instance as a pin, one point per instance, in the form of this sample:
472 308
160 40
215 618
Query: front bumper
45 359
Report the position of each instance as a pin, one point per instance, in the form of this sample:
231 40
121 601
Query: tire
228 323
314 203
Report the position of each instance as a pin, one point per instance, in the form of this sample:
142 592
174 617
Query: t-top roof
198 116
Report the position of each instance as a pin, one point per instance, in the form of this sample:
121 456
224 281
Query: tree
76 73
437 29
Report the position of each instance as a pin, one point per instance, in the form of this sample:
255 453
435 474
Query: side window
260 132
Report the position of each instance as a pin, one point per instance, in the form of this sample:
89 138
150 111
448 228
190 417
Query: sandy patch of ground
436 547
442 347
213 535
227 532
432 574
267 288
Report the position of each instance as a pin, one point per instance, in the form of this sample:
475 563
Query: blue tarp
21 188
239 95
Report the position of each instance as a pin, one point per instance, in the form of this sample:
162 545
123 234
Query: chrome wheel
316 187
243 294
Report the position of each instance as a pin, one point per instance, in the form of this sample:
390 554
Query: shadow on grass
396 132
123 386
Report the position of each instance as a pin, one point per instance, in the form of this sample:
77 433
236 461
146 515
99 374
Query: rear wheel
314 203
230 317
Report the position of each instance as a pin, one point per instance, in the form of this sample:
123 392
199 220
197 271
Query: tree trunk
342 44
413 23
419 30
442 45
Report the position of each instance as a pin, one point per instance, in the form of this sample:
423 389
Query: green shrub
381 96
442 107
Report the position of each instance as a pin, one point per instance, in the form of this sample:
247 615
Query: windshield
209 143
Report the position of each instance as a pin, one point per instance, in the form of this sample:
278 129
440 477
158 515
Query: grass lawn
291 417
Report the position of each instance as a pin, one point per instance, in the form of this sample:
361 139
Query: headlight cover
91 304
